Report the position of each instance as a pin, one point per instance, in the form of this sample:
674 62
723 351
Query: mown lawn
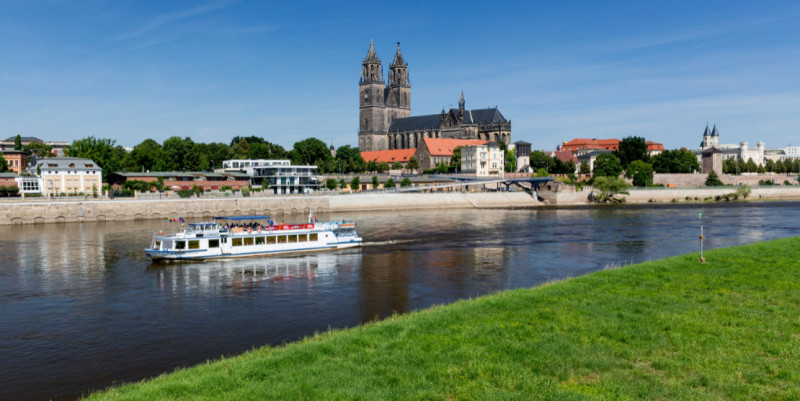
669 329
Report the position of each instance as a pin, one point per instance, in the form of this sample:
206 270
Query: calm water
81 308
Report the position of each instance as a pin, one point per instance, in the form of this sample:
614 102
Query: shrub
766 182
406 182
185 193
786 182
743 191
389 183
713 180
640 172
245 191
330 183
605 189
355 184
375 181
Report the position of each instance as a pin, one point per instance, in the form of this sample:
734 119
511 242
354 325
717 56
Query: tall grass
669 329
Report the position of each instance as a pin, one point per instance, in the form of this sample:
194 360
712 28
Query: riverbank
297 207
668 329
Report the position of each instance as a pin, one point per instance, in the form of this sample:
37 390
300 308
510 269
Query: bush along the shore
669 329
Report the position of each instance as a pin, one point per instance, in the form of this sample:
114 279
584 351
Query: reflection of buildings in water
64 252
225 274
385 281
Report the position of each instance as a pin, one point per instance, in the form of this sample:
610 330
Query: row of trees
730 166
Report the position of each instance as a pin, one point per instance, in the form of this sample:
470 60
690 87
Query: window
281 239
271 239
180 244
303 237
195 244
213 243
259 240
236 242
313 236
248 241
293 238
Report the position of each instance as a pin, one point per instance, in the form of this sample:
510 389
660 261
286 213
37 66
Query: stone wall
288 207
699 180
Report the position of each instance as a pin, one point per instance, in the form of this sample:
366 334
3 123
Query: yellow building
68 175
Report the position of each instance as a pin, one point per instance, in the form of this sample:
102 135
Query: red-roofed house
432 151
577 144
388 156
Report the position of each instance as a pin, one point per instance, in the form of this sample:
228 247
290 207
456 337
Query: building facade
56 148
522 151
17 160
281 176
485 160
433 151
730 151
178 180
63 175
385 121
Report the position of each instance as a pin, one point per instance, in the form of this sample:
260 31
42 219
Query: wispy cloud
168 18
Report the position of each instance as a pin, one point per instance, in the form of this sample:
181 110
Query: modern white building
281 175
62 175
483 160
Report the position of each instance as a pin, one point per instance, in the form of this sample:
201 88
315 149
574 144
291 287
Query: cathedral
385 121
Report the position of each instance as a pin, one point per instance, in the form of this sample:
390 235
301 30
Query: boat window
313 236
293 238
303 237
259 240
248 240
271 239
180 244
213 243
236 241
194 244
157 245
281 239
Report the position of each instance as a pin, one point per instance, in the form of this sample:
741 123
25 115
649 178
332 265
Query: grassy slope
669 329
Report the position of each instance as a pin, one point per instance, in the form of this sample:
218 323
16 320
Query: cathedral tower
372 126
398 90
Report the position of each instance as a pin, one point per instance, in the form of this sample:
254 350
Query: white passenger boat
241 236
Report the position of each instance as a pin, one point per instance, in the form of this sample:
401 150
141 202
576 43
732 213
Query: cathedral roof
431 121
714 131
416 123
371 56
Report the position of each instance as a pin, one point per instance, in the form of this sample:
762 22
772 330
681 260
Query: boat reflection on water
222 275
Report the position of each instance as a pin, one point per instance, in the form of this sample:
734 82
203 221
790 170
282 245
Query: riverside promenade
74 211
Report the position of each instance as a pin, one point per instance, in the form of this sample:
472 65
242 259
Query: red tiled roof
445 146
654 145
563 155
388 156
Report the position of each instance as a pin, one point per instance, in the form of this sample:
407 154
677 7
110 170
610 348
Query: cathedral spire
372 57
461 102
398 57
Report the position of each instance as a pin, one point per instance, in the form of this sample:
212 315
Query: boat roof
253 217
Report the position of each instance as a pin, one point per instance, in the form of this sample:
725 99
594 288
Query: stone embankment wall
30 212
699 180
562 194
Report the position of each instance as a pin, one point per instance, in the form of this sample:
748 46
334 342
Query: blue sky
210 70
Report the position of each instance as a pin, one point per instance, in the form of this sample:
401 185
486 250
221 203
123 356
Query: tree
406 182
180 154
585 168
341 183
751 166
382 167
240 150
640 172
375 182
351 160
397 166
389 183
455 159
605 189
442 168
630 149
607 165
412 164
330 183
511 161
355 184
713 180
102 151
40 149
540 160
769 165
780 167
145 156
675 162
3 163
17 142
310 151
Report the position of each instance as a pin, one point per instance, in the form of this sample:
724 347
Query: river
81 308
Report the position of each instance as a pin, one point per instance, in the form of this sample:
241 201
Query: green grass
669 329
